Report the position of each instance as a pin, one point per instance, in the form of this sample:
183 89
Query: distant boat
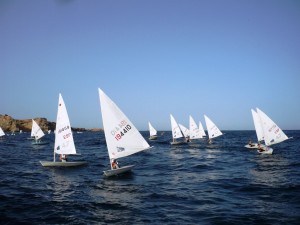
152 132
37 134
201 130
185 131
64 142
194 130
176 132
122 137
271 132
1 132
212 130
258 130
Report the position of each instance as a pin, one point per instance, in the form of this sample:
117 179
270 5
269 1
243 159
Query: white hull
254 145
115 172
267 150
62 164
40 142
178 142
152 137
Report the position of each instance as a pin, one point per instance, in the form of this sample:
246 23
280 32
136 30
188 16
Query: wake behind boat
64 142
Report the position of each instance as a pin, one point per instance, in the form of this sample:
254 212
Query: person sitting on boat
260 148
63 158
250 143
209 141
114 164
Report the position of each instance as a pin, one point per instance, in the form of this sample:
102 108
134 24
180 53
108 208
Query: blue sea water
222 183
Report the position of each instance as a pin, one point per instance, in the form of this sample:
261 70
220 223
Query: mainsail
64 142
122 137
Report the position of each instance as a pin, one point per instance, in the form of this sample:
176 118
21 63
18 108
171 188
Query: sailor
114 164
63 158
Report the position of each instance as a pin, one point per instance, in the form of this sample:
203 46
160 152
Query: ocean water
222 183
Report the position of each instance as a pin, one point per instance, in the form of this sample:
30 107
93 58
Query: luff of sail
272 133
212 129
257 126
122 137
64 142
36 131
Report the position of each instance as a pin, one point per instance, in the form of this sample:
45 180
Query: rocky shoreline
9 124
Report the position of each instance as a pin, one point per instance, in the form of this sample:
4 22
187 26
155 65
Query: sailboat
64 142
271 132
1 132
212 129
185 131
201 130
37 134
122 137
258 130
194 130
152 131
176 132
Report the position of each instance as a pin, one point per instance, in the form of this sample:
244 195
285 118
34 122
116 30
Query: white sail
36 131
257 125
272 133
152 130
194 130
1 132
176 132
201 129
122 137
64 142
212 129
184 130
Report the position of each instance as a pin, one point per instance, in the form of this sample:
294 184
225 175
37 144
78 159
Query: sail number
123 132
67 135
120 130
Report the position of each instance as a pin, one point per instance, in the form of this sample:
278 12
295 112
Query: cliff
9 124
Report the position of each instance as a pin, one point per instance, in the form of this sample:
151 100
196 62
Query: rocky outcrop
9 124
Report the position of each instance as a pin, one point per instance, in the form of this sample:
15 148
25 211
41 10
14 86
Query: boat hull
62 164
115 172
152 137
178 143
266 150
39 142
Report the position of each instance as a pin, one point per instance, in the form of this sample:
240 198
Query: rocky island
9 124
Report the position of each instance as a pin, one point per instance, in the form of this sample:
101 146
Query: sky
152 58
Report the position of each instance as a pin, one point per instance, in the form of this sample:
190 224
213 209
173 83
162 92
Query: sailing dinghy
152 131
258 130
271 132
176 132
194 130
37 134
1 132
122 137
212 130
64 142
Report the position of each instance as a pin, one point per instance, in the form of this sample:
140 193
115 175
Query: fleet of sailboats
122 137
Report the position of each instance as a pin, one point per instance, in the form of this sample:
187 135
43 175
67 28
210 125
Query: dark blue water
223 183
